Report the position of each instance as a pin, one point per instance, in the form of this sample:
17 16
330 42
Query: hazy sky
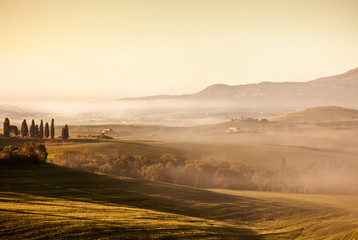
107 49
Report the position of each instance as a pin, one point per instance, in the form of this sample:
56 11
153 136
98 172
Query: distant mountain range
216 103
338 90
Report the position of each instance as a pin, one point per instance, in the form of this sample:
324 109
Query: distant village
243 119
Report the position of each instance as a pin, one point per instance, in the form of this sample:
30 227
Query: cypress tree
47 130
32 129
36 131
52 128
41 131
7 127
24 129
65 132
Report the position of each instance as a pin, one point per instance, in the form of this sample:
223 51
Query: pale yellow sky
107 49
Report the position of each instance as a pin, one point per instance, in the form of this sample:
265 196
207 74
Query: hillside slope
320 114
48 201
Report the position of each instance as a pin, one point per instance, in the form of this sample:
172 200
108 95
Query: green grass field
48 201
254 154
110 147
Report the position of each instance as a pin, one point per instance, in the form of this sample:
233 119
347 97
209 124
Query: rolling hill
52 202
320 114
335 90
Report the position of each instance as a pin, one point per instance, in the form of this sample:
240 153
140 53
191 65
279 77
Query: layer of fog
158 112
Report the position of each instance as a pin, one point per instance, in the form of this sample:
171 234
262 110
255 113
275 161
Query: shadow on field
59 182
19 142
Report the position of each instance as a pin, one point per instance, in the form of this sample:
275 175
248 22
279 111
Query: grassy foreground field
48 201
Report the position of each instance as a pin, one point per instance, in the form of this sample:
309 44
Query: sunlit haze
103 50
179 119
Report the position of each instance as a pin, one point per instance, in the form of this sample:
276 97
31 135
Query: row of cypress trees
35 130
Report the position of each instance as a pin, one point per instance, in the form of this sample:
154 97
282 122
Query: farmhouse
106 130
233 130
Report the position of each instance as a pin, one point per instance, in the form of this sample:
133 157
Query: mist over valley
217 103
179 119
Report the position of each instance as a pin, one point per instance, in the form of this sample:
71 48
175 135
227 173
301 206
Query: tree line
330 177
35 131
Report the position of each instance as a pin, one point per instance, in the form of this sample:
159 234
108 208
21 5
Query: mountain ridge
341 89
